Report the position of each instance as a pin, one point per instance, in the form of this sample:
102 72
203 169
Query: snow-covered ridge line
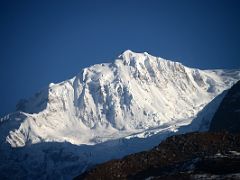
136 92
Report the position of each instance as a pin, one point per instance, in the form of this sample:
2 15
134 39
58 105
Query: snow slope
137 100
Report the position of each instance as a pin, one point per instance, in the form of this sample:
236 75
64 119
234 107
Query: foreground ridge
188 156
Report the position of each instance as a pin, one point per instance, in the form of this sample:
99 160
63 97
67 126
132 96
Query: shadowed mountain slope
227 117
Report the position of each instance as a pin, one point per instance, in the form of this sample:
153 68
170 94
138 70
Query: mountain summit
137 96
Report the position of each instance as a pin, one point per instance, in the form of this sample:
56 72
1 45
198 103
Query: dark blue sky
50 41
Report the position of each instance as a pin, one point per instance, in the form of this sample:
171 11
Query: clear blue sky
50 41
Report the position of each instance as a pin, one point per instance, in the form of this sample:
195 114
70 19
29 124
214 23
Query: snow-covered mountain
119 108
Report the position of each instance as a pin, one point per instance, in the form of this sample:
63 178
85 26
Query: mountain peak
131 58
129 52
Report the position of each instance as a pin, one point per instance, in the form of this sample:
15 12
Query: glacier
107 111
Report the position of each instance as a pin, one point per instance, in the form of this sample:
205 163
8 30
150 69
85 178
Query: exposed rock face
189 156
227 117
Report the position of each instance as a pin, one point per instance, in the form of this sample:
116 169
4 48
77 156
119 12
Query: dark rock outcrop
188 156
227 117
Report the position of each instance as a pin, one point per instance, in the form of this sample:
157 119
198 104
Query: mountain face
227 117
123 107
